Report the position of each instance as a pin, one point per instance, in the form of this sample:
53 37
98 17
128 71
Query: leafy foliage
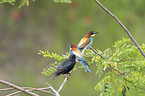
51 67
125 68
122 68
63 1
22 2
8 1
26 2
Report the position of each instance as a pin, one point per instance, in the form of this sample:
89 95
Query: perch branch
29 89
56 93
18 88
66 78
62 85
121 24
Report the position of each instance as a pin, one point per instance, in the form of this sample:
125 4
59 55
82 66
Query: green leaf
123 57
63 1
8 1
49 69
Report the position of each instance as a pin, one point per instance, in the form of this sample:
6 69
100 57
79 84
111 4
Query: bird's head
72 46
72 56
90 34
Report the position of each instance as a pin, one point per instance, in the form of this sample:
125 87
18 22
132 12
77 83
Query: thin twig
5 89
29 89
14 93
66 78
18 88
134 85
107 58
62 85
56 93
97 52
45 91
121 24
116 70
42 90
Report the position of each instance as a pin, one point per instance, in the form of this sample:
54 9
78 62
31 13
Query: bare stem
62 85
14 93
18 88
29 89
66 78
97 52
56 93
121 24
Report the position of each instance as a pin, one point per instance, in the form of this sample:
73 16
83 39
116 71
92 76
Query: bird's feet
67 75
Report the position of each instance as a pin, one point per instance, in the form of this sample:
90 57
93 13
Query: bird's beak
69 45
94 34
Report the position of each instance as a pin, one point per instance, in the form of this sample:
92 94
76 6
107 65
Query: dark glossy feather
66 66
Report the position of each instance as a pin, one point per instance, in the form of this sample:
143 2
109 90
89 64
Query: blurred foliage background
52 26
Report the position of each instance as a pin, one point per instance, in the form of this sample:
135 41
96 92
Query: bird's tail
85 67
80 49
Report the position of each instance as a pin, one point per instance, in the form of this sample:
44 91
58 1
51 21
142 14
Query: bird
86 41
79 56
65 67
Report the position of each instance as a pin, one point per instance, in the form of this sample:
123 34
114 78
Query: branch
134 85
5 89
120 23
107 58
18 88
14 93
66 78
23 89
62 85
56 93
97 53
116 70
29 89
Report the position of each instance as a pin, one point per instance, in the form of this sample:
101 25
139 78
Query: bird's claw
67 75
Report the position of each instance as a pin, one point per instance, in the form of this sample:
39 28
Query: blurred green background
45 25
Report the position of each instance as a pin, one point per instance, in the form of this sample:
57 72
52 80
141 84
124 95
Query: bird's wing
83 42
64 65
77 53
